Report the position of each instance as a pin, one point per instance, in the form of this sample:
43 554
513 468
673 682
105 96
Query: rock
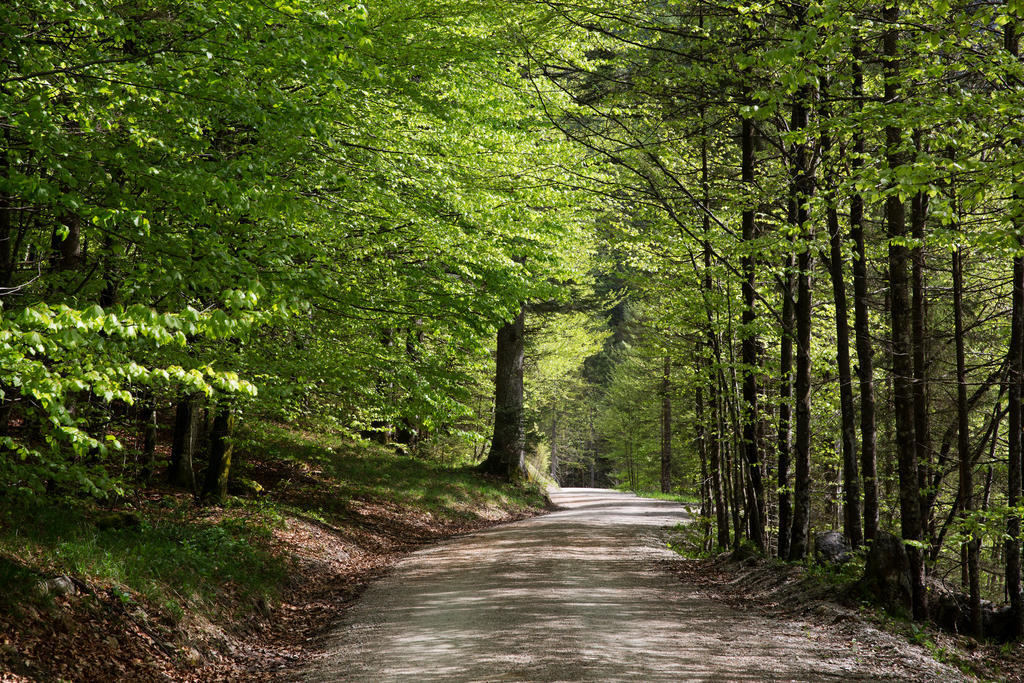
119 520
58 586
831 547
246 487
263 607
192 657
886 578
747 554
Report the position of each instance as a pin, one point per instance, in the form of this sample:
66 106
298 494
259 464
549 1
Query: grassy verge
157 585
674 497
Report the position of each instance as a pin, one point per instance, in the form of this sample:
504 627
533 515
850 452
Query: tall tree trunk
215 486
1015 378
554 444
837 256
918 318
851 477
666 428
1015 448
862 329
183 444
748 353
713 366
715 458
802 187
785 395
507 457
972 545
902 367
6 216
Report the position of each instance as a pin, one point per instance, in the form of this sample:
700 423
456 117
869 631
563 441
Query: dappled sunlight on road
576 595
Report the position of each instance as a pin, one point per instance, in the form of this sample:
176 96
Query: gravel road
579 595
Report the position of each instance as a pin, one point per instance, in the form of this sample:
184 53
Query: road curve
576 595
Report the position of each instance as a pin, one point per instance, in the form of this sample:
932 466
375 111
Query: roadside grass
323 473
674 497
163 549
173 555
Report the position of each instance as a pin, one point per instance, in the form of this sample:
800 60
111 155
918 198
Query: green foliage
174 557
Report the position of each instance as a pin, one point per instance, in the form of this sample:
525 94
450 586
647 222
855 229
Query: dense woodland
769 254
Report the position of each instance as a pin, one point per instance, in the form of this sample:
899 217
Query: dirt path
579 595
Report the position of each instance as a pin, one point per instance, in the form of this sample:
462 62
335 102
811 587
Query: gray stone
830 547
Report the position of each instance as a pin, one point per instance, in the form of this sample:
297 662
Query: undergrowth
162 548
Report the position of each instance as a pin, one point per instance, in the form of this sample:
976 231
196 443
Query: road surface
579 595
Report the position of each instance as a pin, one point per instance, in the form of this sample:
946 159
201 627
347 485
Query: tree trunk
6 212
666 428
1015 449
715 460
1015 377
507 457
67 248
918 318
785 396
215 486
713 367
554 444
851 477
802 187
862 330
899 305
183 444
748 353
971 547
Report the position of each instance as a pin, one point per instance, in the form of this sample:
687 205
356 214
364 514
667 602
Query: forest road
580 595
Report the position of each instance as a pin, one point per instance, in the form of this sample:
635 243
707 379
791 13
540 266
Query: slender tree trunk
715 460
902 366
554 444
851 477
802 187
731 469
1014 477
862 329
918 318
6 216
666 428
215 486
1015 378
785 396
714 365
755 489
507 457
970 548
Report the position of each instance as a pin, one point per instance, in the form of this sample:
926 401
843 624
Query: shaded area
577 595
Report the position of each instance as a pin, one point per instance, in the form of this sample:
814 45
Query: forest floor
826 600
157 588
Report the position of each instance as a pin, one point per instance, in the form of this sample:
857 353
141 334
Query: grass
327 472
174 557
684 499
171 553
